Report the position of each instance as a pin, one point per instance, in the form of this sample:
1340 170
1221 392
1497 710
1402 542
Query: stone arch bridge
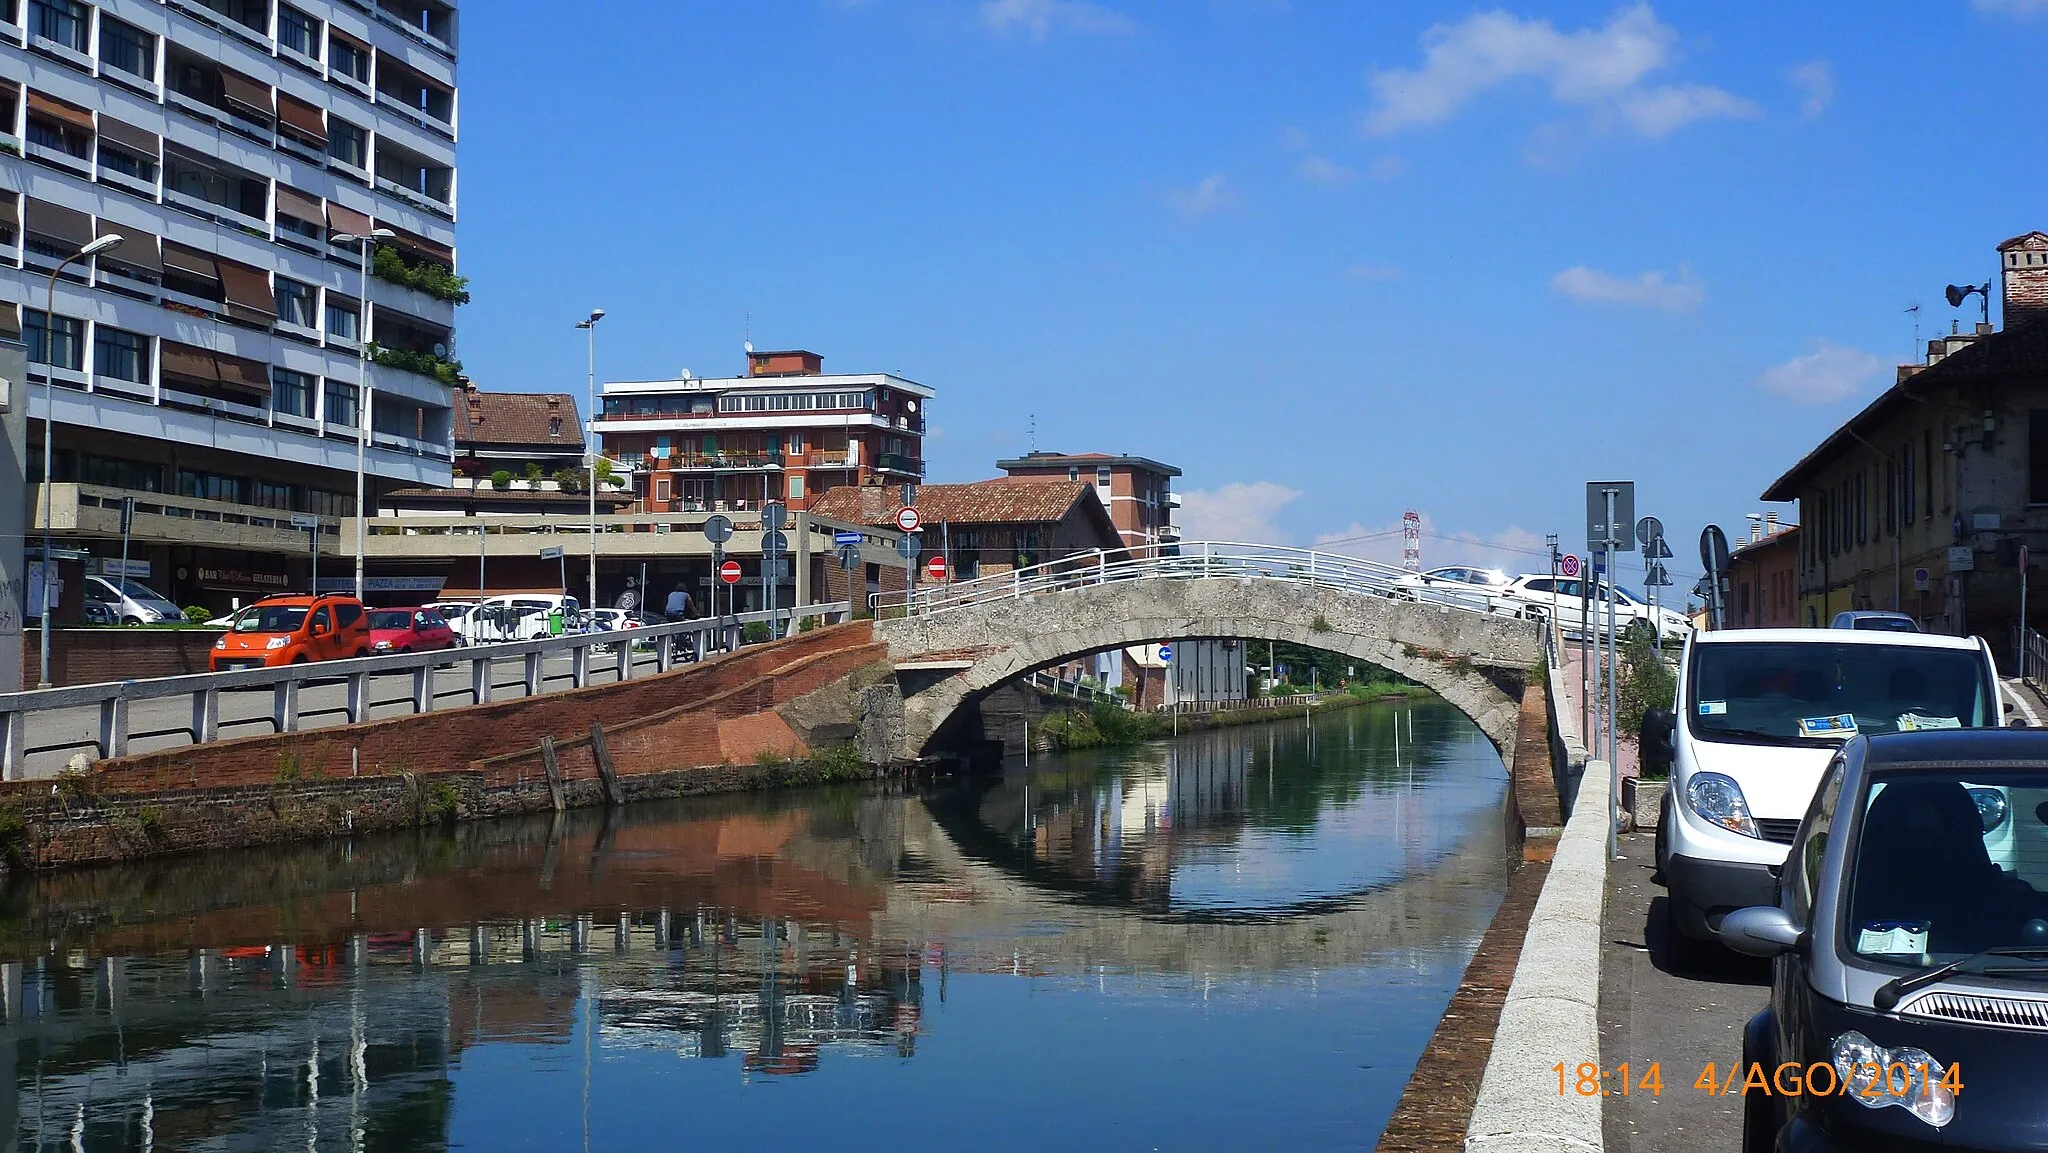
954 644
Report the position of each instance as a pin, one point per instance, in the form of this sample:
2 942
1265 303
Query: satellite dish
440 352
684 374
748 345
910 406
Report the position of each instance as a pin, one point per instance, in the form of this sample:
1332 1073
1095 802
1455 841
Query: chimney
1771 523
2023 263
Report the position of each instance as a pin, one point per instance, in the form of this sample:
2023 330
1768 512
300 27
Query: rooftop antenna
747 334
1915 350
1034 432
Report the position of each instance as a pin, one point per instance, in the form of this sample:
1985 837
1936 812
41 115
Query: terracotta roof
2018 351
1006 500
515 418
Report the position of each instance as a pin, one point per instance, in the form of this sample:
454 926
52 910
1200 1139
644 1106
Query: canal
1239 939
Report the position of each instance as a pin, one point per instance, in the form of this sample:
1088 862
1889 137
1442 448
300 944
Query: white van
519 617
1760 714
127 601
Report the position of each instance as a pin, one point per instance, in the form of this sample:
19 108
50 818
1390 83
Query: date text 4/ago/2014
1790 1079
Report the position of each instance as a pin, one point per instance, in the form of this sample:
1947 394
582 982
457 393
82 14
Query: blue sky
1335 259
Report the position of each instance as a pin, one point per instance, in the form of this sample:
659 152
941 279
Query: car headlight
277 642
221 643
1991 807
382 646
1719 799
1874 1077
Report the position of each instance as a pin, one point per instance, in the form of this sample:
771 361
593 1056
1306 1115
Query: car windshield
134 590
1887 624
1779 693
1947 865
271 619
391 618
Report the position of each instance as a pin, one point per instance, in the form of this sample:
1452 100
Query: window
1073 472
62 338
115 158
61 20
1812 846
295 303
347 143
127 48
55 135
348 59
341 320
121 355
341 403
1102 476
554 426
2037 456
1862 511
1891 497
291 393
298 31
1906 489
270 494
112 473
212 486
1927 467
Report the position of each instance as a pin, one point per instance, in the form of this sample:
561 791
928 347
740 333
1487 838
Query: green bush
1646 682
424 276
754 633
198 614
807 624
501 479
448 372
533 472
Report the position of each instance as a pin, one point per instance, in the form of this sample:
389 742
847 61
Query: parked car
1910 938
520 617
293 629
452 612
413 630
1761 712
1565 600
127 601
1877 621
1463 584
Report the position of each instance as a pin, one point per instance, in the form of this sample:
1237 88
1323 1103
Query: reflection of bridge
984 633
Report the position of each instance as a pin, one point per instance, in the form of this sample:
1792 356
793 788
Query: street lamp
50 430
590 449
362 380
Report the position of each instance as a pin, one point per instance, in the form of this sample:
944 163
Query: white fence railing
1195 560
186 710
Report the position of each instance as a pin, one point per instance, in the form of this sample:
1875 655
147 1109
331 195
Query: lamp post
50 431
590 447
362 381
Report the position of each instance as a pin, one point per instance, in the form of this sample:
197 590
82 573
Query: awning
190 261
292 202
248 292
59 223
302 116
247 92
137 248
209 367
129 136
347 220
439 253
72 114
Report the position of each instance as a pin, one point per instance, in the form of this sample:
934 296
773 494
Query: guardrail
1244 704
2033 656
1194 560
1048 682
26 716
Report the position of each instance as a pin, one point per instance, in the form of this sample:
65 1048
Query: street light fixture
590 448
362 382
49 432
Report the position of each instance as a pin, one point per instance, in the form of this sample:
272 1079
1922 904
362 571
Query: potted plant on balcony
532 475
501 479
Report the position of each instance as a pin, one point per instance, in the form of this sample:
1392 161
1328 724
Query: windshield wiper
1757 734
1889 993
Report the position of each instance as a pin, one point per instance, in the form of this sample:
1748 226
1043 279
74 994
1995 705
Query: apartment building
1922 501
1137 491
785 431
207 365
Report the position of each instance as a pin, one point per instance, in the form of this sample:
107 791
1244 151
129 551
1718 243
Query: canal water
1234 940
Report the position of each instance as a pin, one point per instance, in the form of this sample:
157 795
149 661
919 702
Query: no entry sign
908 519
1568 565
935 568
729 572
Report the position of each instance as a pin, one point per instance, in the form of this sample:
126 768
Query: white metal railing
1194 560
58 721
2033 656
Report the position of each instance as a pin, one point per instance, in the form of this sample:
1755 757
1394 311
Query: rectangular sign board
846 538
1623 531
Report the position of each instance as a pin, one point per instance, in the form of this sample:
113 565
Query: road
1651 1012
321 704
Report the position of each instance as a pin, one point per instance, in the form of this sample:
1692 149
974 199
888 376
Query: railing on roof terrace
1196 560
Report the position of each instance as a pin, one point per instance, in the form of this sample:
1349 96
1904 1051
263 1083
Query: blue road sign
845 538
1165 654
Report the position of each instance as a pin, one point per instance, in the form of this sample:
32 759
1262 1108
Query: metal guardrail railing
1245 704
1195 560
2033 656
48 713
1059 687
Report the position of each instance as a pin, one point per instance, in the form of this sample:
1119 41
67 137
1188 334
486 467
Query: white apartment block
208 364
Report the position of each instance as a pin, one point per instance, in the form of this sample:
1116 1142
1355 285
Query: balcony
841 459
160 518
720 461
893 462
58 158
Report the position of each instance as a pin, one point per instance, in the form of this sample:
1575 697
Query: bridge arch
1462 655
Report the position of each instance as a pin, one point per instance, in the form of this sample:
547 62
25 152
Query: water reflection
1098 942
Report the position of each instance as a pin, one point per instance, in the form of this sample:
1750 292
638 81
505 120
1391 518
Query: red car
413 630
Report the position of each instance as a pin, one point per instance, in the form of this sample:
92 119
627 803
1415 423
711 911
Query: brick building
1763 576
1921 501
1138 491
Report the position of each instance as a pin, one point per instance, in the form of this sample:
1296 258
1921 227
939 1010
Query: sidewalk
1624 747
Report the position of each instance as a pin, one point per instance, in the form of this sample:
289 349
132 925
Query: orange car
292 630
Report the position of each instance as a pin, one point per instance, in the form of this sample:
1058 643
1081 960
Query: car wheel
359 654
131 622
300 659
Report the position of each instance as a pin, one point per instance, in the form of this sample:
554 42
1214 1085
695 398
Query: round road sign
908 519
935 568
1165 654
729 572
909 546
1568 565
774 544
718 529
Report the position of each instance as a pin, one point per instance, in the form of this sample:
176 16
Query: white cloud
1385 169
1816 83
1241 511
1514 550
1324 172
1038 19
1595 68
1373 272
1823 376
1210 195
1649 290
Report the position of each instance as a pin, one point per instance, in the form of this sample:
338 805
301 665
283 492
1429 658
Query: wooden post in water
554 772
605 773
